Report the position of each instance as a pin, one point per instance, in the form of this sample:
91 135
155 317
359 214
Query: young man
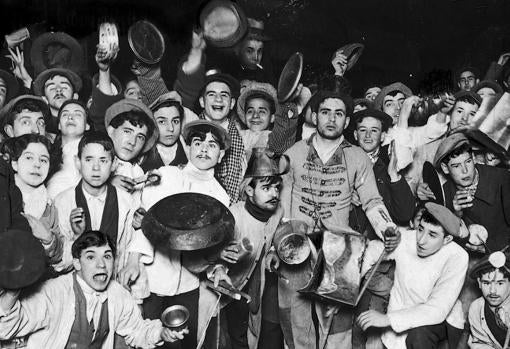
489 314
168 151
391 98
429 274
206 144
467 77
81 309
95 204
24 114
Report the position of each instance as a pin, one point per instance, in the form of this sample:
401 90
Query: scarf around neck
257 212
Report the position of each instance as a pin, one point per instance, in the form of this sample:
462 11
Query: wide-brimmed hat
483 142
41 79
255 88
218 130
352 52
22 259
34 99
223 22
290 77
11 83
146 42
188 222
256 30
396 86
128 104
56 50
216 75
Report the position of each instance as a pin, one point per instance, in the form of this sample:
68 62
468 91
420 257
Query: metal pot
175 317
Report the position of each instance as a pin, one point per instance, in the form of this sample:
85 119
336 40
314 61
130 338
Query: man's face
372 92
369 134
495 287
133 91
265 196
26 122
95 266
461 169
331 118
95 164
462 114
467 81
429 239
486 92
57 90
251 53
73 120
205 154
3 92
217 101
393 104
258 114
33 164
169 125
128 140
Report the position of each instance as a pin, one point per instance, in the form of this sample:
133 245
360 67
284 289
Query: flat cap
469 95
214 128
396 86
450 222
448 145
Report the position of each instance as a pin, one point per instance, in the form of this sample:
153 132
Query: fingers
364 320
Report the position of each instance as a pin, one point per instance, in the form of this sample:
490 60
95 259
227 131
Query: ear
347 121
232 103
14 165
383 136
59 127
477 81
249 191
458 84
76 264
314 118
9 131
355 134
110 130
44 97
75 95
447 239
77 163
115 164
201 101
272 119
87 126
222 154
479 283
444 168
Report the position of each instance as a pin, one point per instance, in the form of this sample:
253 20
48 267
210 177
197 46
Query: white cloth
426 290
68 176
95 205
132 171
35 200
325 153
167 154
174 181
308 131
94 301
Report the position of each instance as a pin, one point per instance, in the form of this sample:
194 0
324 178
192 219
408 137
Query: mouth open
218 108
100 277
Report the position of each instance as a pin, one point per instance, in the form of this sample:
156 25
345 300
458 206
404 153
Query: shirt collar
89 197
89 292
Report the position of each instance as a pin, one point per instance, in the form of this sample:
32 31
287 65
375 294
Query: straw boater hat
256 88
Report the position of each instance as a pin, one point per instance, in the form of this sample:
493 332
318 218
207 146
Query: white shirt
325 153
167 153
95 205
426 290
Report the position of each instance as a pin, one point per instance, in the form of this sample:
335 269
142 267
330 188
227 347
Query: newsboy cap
450 222
448 145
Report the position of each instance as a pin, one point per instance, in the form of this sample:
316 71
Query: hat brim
431 177
11 83
39 48
40 80
254 90
38 100
480 139
228 79
353 53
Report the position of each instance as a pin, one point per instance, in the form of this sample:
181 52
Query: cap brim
40 80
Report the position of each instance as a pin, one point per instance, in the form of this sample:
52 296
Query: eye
176 122
44 160
161 122
141 138
126 131
89 258
41 123
103 161
108 257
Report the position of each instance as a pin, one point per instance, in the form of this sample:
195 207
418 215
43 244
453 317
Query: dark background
419 42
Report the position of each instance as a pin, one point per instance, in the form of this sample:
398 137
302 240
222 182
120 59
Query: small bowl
175 317
293 249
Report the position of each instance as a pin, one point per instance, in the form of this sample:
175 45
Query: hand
19 70
478 234
129 274
391 240
171 336
40 230
77 220
123 182
272 261
392 166
138 218
198 41
448 104
303 97
462 200
220 274
424 192
408 105
102 59
372 318
231 253
503 58
339 63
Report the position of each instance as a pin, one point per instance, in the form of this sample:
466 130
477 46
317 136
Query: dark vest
82 332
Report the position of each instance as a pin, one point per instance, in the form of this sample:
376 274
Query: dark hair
201 131
91 238
465 148
95 137
467 99
74 101
321 96
19 107
269 180
21 143
489 269
394 93
427 217
272 107
52 75
169 104
136 118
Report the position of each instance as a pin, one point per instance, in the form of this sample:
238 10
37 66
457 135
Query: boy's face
128 140
169 125
217 101
393 104
462 114
467 80
251 53
265 196
258 114
430 238
95 164
57 90
33 164
205 154
369 134
461 169
26 122
133 91
495 287
73 120
95 266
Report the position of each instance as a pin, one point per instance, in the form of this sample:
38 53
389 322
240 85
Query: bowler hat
56 50
127 104
11 84
352 52
188 222
396 86
41 79
256 88
223 22
448 145
218 131
450 222
22 259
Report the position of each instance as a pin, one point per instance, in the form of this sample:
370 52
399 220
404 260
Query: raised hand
77 220
18 60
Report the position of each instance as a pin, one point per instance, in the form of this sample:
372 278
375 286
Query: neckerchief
257 213
110 217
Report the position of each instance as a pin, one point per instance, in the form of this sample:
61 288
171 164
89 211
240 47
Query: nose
170 127
421 239
95 165
492 287
34 128
101 263
464 169
131 140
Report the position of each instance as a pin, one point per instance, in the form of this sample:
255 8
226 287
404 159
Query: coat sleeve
440 302
283 135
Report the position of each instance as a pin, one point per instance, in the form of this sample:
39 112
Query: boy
24 114
81 309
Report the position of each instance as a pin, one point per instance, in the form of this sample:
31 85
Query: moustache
273 201
207 157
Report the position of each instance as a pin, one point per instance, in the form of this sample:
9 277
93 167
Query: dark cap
448 145
490 84
396 86
450 222
321 96
215 75
385 119
494 260
41 79
470 95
